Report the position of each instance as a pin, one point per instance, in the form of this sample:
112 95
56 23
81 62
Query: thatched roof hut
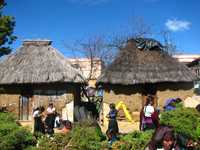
136 64
37 62
35 75
143 67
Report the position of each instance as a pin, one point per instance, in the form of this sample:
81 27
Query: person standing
38 123
146 115
113 129
50 119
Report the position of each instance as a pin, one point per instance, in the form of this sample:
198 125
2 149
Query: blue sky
69 20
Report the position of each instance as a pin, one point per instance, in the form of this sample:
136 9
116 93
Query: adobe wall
40 96
176 90
11 100
132 95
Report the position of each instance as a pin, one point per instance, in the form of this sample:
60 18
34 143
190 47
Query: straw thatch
37 62
135 64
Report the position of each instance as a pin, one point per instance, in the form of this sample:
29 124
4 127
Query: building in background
91 69
186 58
195 66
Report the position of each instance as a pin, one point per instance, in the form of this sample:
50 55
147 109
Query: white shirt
57 120
36 113
163 149
148 110
51 110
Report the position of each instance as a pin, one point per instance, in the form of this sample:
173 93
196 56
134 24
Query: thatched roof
144 61
37 62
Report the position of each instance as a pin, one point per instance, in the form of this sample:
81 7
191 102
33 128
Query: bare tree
96 50
169 45
139 28
105 48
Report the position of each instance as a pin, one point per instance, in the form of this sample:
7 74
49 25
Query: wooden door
24 108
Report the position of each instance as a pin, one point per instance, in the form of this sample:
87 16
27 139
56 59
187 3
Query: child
57 123
67 126
113 129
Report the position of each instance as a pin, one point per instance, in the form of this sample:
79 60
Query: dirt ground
124 126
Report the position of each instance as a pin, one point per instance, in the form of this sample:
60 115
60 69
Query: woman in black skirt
50 119
38 123
113 129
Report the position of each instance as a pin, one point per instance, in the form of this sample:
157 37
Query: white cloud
89 2
177 25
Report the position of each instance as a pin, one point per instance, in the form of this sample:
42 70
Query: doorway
24 107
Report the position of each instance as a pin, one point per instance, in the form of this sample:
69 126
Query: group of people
149 116
164 137
46 121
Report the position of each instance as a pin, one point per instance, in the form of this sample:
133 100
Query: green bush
133 141
13 136
84 136
184 121
88 139
7 128
7 117
58 142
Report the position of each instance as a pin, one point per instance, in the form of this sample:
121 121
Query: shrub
7 117
7 128
88 139
133 141
84 136
58 142
184 121
13 136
